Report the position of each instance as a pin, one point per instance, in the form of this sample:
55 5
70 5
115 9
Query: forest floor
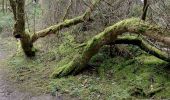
8 91
140 77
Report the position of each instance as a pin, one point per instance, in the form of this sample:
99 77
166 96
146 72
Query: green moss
72 67
142 29
113 78
109 78
68 68
68 45
149 60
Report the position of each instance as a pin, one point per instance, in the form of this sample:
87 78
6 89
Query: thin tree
145 9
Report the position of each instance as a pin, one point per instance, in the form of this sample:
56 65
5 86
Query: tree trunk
110 35
27 40
19 29
27 45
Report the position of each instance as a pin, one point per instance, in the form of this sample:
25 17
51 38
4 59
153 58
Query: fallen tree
27 39
110 35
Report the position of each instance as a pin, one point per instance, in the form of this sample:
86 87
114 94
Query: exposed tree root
110 35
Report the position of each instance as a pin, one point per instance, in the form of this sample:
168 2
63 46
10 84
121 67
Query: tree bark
28 40
109 35
19 27
25 39
145 9
141 43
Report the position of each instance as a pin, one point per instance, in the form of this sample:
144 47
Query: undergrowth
106 78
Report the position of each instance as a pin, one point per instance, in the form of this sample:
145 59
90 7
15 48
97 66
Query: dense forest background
117 71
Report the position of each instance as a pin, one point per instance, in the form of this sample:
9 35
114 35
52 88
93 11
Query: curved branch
110 34
138 41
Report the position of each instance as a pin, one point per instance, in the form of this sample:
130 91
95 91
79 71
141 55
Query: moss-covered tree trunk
28 40
25 39
110 35
19 27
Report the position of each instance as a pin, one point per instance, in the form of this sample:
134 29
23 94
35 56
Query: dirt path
7 92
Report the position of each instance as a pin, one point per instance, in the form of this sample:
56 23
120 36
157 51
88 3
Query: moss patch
107 78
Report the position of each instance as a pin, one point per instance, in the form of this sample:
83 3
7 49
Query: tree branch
138 41
109 35
66 23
